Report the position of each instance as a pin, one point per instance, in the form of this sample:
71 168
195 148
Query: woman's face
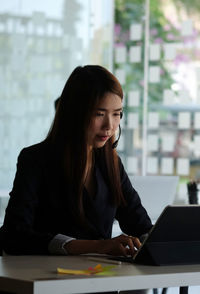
105 121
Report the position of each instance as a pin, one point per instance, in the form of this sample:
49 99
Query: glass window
41 42
157 52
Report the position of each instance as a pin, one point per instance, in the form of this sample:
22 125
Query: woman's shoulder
122 171
37 151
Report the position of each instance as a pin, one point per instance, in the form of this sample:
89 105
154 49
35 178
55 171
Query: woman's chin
99 144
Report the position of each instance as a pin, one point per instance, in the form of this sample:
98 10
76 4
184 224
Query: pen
105 260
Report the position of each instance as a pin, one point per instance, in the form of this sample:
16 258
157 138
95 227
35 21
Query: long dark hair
81 94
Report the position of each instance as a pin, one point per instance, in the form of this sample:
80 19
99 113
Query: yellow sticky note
98 269
71 272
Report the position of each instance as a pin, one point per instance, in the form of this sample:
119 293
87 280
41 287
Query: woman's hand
121 245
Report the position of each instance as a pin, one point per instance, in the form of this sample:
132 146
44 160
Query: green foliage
133 11
190 6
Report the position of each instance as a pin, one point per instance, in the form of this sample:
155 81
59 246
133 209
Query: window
157 61
41 42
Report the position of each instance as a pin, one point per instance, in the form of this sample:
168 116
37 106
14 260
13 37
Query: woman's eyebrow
104 109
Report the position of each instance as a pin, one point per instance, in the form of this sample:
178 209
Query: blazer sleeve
19 236
132 216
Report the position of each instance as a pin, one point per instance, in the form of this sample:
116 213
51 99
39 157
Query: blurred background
152 46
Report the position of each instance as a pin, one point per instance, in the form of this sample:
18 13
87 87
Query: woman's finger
123 250
127 239
136 242
130 243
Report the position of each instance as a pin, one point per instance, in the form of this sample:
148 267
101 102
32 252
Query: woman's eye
99 114
117 114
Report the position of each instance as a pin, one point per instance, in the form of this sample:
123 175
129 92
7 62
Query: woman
69 188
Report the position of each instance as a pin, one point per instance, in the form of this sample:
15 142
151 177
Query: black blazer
41 205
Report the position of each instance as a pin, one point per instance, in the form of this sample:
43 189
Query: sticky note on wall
197 145
120 74
153 120
168 97
133 120
135 54
134 98
135 32
152 142
154 74
152 165
183 166
168 142
120 54
167 165
169 51
187 28
154 52
132 165
197 120
184 120
184 96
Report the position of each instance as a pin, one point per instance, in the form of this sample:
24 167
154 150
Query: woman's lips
103 138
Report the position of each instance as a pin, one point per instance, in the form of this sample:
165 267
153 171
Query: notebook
156 192
173 240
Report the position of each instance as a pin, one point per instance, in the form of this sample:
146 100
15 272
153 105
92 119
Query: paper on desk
97 270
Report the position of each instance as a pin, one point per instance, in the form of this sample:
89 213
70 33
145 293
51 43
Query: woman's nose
107 123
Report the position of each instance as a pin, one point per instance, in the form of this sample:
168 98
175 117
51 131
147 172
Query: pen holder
192 192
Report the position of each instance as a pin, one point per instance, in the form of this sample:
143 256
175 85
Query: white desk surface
37 275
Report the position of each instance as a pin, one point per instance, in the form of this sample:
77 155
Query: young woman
69 188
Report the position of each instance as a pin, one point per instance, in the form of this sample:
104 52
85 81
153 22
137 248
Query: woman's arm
19 235
121 245
132 217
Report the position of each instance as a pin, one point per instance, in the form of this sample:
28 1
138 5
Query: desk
37 275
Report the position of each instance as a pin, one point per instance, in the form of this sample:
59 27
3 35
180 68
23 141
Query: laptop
156 192
173 240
